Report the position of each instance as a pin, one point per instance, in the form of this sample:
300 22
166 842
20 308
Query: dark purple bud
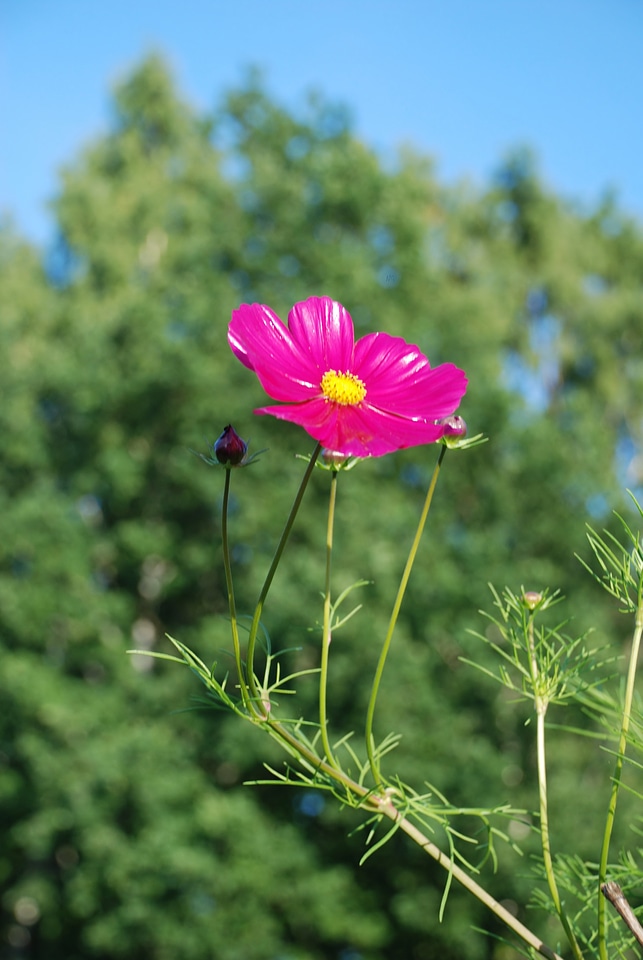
229 448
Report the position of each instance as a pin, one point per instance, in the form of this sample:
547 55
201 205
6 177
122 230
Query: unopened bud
455 429
229 448
333 459
531 599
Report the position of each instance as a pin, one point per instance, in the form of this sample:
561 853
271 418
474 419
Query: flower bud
229 448
454 427
455 430
531 599
333 459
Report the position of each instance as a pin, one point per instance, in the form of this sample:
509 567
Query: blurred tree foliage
126 828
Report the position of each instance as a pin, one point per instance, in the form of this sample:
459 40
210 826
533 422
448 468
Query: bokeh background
464 175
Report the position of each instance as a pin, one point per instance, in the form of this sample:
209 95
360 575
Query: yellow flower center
343 388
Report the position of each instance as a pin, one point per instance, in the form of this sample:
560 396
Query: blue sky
462 80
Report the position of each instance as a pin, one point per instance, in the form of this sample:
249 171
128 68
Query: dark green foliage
126 823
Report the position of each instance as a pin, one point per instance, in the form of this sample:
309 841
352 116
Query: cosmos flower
357 399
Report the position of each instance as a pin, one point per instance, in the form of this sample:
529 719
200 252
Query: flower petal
264 344
323 329
360 431
400 380
368 431
313 415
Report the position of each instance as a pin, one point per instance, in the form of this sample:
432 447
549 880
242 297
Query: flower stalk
401 590
234 628
256 617
326 626
618 770
541 703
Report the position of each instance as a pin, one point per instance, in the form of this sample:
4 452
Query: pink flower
357 399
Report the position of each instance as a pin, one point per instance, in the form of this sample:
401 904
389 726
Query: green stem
544 833
230 588
370 713
616 779
469 884
381 804
326 630
384 806
540 704
252 638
